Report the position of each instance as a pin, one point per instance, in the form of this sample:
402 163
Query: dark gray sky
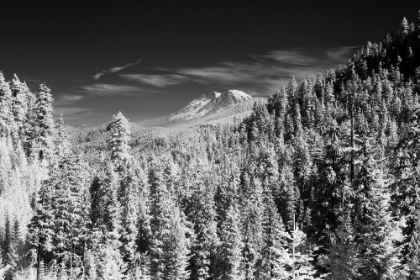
149 58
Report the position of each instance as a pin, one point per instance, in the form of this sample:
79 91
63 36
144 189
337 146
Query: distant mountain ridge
213 105
208 104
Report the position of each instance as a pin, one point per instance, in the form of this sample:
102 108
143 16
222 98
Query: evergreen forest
321 180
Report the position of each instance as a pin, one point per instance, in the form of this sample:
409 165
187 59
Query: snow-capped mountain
209 103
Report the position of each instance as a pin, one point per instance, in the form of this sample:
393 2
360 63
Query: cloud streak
155 80
294 57
73 112
259 75
340 53
65 99
222 72
115 69
111 90
263 74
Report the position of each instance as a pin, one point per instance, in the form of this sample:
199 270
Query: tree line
319 182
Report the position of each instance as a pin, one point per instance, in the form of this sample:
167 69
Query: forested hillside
321 181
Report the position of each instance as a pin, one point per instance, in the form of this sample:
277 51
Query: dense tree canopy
319 181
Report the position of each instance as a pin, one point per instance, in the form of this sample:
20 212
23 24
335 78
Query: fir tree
111 217
344 252
252 226
294 260
41 226
230 257
61 141
128 213
118 144
378 230
18 105
272 235
7 242
70 213
206 241
143 222
6 116
169 246
105 236
404 28
43 127
175 247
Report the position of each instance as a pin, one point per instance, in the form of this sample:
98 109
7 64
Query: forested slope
319 182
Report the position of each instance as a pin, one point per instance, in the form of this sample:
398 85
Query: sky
150 58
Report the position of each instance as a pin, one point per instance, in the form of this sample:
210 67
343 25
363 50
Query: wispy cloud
260 74
295 57
111 90
155 80
222 72
32 80
340 53
73 112
115 69
64 99
263 74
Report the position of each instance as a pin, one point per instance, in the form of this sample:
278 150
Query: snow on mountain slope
195 108
208 104
240 95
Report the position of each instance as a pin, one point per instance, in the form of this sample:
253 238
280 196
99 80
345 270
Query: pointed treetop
120 116
15 79
24 87
61 128
1 76
404 27
120 136
418 21
43 87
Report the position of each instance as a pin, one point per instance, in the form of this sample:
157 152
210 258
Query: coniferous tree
295 259
128 214
343 256
337 154
121 159
18 105
206 241
272 235
12 259
70 216
230 257
61 141
98 193
43 127
252 226
7 242
169 246
106 227
143 222
41 226
413 260
6 116
176 248
118 144
378 230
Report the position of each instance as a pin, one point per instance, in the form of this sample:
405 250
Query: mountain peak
236 95
210 95
209 103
